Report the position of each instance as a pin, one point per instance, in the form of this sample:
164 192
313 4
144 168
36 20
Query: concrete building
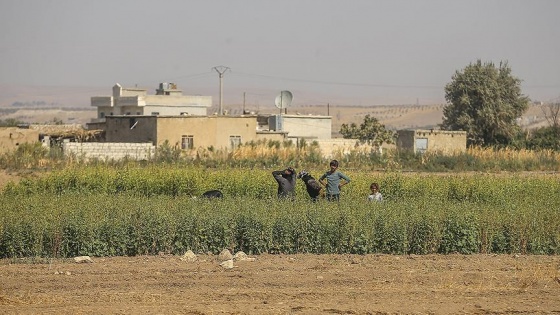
309 127
168 100
422 141
186 132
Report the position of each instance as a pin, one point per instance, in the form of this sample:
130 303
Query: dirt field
285 284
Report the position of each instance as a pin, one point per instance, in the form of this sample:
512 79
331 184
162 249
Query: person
375 194
334 181
286 180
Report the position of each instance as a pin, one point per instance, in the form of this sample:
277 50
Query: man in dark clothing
286 182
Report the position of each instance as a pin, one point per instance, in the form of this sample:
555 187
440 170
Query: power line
339 83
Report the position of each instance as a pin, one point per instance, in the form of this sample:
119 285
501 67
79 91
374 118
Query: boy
334 181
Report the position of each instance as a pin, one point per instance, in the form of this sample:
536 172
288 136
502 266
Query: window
155 113
234 141
187 142
421 145
102 115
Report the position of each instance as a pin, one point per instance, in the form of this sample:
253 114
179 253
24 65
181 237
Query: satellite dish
284 99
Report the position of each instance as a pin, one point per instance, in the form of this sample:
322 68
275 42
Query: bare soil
284 284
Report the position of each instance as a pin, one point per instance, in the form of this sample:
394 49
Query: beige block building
422 141
12 137
186 132
168 100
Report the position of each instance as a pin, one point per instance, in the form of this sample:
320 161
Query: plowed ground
284 284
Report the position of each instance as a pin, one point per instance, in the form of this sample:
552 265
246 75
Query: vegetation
485 101
370 131
89 207
274 154
547 137
10 122
103 211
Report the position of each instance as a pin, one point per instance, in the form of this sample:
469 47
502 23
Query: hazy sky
324 51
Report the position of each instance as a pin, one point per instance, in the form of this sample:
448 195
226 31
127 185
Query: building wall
109 151
299 126
12 137
437 140
118 129
118 90
330 147
179 100
129 110
171 110
102 101
211 131
134 101
311 127
124 101
202 129
271 136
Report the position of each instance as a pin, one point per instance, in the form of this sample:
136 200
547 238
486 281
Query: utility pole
221 70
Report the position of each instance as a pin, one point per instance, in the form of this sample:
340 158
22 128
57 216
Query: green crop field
104 211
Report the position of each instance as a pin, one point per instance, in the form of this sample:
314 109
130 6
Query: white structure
168 100
301 126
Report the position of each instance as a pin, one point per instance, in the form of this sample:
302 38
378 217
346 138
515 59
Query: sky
353 52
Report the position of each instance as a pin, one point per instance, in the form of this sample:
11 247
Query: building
168 100
308 127
12 137
130 115
187 132
421 141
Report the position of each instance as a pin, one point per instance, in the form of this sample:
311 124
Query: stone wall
330 147
107 151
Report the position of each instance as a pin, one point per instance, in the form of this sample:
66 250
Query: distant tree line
10 122
34 104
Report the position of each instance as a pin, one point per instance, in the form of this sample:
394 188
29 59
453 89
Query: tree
551 112
544 138
485 101
547 137
370 131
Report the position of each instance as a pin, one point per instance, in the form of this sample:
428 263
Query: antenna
221 70
283 100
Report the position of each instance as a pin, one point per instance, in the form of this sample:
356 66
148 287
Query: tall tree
370 131
485 101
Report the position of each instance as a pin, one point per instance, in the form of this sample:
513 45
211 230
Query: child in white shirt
375 194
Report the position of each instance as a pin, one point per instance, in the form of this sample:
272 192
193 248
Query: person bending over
286 180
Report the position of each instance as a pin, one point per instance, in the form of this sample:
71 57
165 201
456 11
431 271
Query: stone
240 256
189 256
225 255
227 264
82 259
